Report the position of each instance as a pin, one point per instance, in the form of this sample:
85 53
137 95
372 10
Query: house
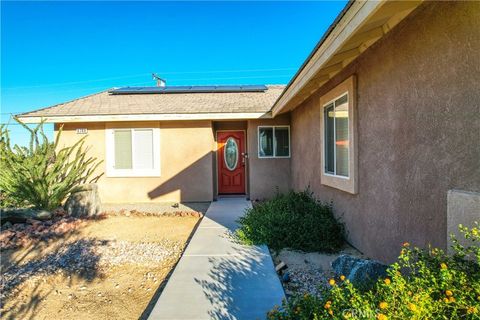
382 119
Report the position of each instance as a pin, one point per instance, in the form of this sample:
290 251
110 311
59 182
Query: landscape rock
360 272
84 203
20 215
7 225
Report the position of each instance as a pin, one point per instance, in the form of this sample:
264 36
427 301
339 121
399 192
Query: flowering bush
422 284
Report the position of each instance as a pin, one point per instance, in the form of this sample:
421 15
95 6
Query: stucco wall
186 149
418 104
266 174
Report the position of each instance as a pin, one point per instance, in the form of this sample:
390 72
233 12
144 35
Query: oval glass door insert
230 154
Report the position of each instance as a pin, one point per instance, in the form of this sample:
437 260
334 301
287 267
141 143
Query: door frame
247 189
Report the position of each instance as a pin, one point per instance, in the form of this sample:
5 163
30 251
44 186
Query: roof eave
348 37
145 117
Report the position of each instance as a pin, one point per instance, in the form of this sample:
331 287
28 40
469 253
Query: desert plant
293 220
422 284
41 175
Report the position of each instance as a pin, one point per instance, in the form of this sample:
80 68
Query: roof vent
160 82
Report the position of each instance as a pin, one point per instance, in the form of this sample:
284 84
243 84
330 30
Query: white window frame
334 131
110 155
348 184
274 142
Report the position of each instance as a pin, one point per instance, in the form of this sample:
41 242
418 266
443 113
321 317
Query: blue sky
52 52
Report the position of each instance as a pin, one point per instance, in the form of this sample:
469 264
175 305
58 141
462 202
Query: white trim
148 117
348 184
110 155
274 142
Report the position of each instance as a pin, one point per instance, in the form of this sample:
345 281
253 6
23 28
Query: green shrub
293 220
41 175
422 284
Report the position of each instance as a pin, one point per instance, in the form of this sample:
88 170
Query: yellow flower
381 316
383 305
387 281
330 312
448 293
412 307
472 310
451 299
327 305
409 293
443 266
347 315
406 244
331 282
342 277
445 300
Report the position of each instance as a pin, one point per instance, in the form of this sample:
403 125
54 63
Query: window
274 142
133 152
339 157
336 136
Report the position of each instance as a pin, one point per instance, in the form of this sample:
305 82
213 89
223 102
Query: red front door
231 162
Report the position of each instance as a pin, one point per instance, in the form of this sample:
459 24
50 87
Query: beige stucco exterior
417 133
186 149
418 126
187 161
266 174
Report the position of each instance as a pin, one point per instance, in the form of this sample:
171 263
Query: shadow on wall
194 183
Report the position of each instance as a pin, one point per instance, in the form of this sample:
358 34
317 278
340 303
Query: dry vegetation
109 268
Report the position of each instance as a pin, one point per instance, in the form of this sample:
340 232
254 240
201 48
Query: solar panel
189 89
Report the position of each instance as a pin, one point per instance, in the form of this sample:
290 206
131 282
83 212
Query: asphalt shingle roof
104 103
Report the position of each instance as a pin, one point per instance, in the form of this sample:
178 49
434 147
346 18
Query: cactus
42 175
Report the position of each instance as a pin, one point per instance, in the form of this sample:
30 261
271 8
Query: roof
357 27
104 105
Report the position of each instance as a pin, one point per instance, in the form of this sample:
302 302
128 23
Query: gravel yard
307 271
108 268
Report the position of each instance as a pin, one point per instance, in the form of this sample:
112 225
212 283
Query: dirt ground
117 276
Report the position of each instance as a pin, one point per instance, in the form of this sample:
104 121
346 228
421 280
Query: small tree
42 175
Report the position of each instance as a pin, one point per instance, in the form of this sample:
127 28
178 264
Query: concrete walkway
217 278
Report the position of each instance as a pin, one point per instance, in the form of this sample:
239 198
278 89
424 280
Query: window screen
134 149
143 145
123 149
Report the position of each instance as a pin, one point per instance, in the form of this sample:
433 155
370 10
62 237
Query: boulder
84 203
20 215
7 225
361 272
